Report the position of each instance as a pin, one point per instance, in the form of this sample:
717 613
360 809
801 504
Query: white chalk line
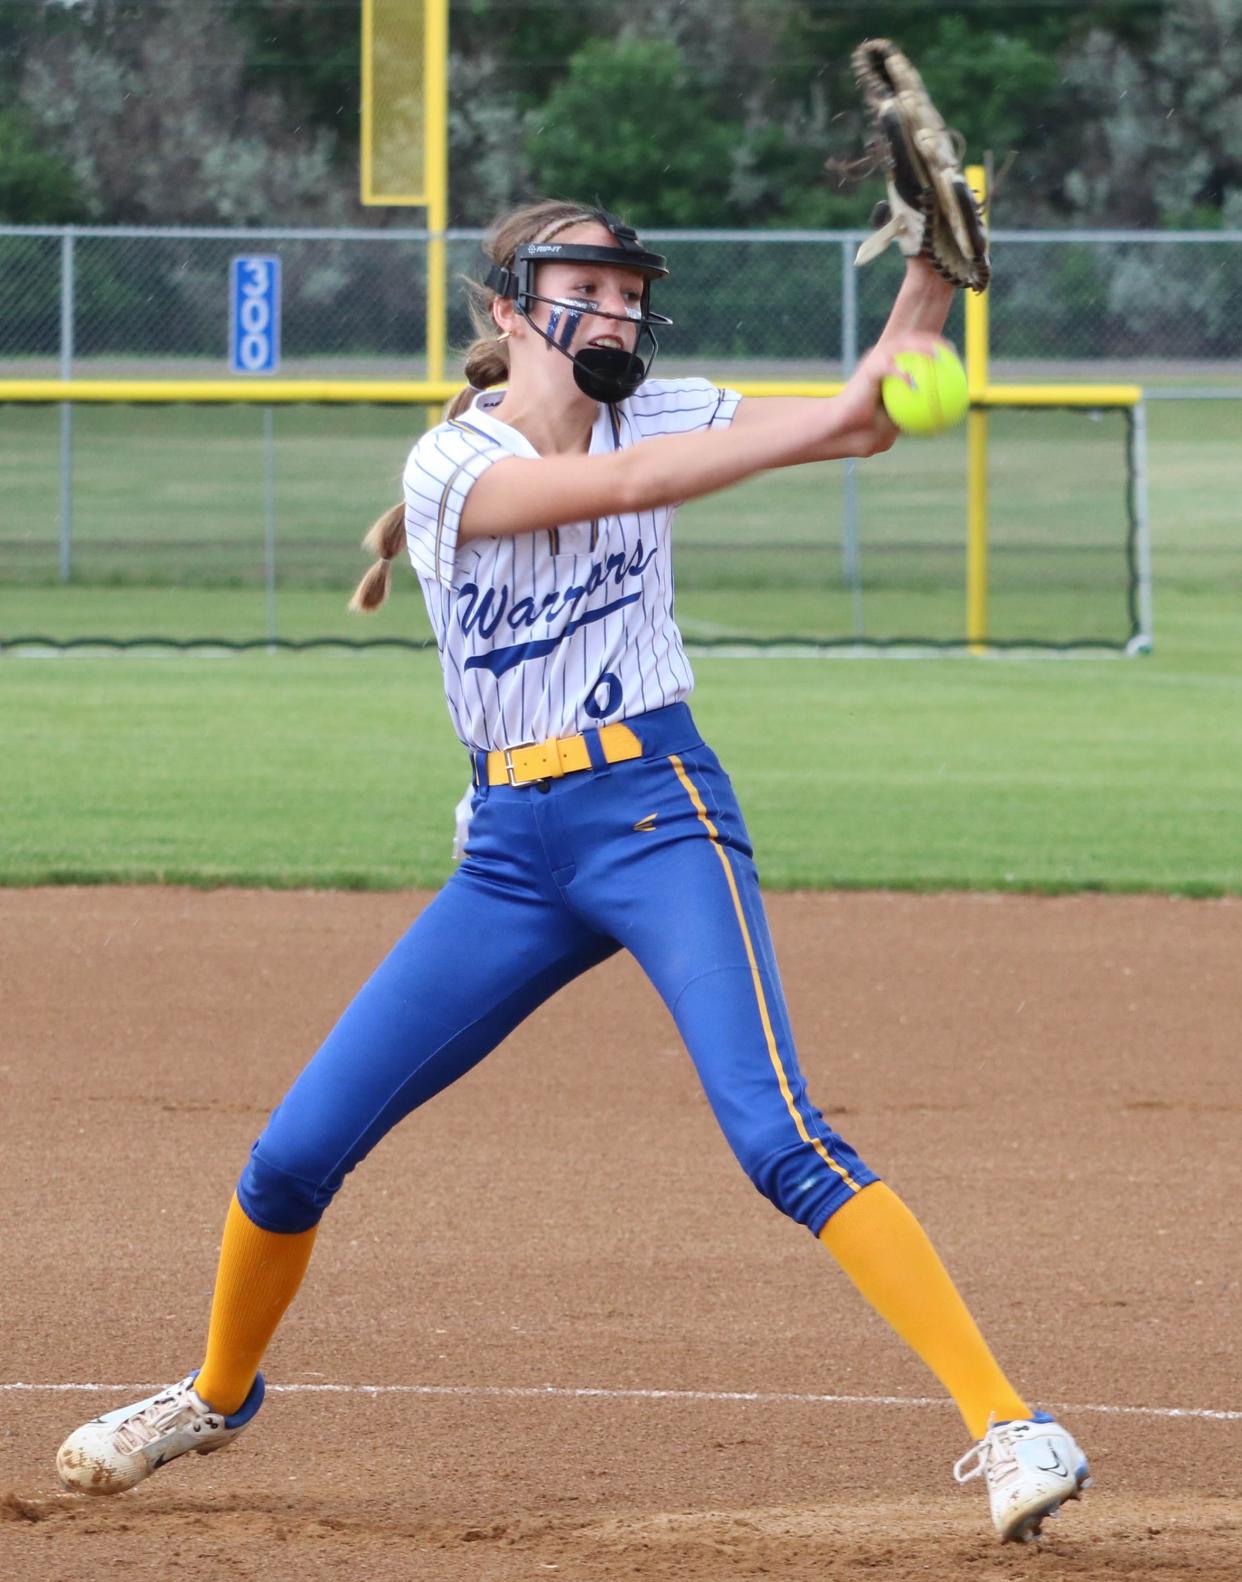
545 1392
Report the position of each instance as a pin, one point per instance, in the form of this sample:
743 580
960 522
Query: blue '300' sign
254 315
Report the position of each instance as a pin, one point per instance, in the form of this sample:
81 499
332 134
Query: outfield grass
331 770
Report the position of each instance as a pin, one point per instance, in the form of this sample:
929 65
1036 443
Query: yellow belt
564 755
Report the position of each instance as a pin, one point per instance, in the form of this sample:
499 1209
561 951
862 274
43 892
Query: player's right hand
870 428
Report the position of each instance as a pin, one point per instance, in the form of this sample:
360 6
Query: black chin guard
609 374
604 373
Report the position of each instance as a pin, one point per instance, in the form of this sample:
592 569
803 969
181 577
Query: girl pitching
537 517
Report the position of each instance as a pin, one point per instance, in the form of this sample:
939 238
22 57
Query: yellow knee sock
259 1275
886 1253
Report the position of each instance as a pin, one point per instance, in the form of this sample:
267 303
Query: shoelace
162 1414
980 1454
994 1446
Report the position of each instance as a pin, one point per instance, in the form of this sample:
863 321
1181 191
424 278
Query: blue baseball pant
557 877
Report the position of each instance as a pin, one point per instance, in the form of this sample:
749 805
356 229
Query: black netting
171 534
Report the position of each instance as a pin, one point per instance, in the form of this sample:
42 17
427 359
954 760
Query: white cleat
1032 1466
121 1448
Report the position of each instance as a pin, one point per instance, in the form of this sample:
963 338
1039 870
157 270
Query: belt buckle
512 772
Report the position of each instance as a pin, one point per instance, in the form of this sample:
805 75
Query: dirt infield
1050 1083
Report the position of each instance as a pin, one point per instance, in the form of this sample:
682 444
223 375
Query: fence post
978 377
1141 642
66 407
269 526
851 546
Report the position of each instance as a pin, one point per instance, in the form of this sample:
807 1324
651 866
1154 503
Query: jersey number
600 707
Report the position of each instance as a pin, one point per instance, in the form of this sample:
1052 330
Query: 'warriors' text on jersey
547 634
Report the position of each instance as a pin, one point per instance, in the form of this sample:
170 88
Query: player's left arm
921 307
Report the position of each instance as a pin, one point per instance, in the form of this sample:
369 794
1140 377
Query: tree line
713 113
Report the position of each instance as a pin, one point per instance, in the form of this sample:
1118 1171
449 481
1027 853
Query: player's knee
808 1181
278 1197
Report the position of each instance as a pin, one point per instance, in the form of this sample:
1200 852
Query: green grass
230 614
331 770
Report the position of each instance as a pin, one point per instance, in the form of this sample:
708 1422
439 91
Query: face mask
604 373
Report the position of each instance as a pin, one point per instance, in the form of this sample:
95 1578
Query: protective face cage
604 373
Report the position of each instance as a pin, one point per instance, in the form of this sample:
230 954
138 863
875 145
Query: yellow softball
935 399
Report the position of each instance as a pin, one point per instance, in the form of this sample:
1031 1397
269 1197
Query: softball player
537 518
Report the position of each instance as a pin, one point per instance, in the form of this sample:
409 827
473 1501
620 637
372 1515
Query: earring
503 336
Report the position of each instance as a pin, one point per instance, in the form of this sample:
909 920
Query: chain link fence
241 522
1157 308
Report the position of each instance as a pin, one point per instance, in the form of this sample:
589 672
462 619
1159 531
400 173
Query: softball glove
931 211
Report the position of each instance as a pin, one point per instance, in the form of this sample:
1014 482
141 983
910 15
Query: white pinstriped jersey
547 634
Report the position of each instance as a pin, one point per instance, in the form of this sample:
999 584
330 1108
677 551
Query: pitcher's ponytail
487 364
385 539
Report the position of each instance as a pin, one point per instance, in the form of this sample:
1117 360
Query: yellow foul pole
366 140
404 134
436 183
977 449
